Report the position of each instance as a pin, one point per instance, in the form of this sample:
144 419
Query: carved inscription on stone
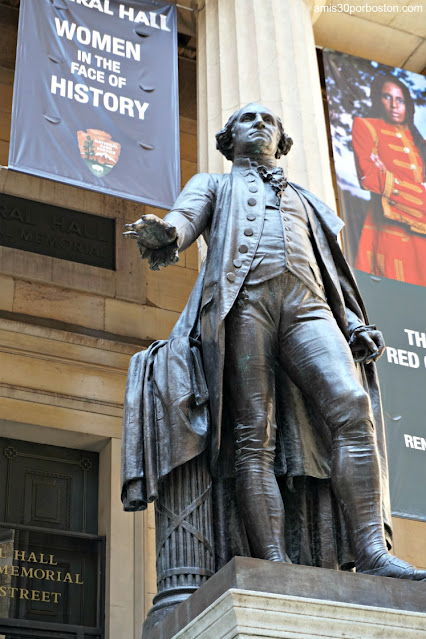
57 232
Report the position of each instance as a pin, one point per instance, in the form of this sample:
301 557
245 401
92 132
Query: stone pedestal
255 598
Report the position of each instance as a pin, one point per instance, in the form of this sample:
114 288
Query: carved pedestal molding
241 614
263 51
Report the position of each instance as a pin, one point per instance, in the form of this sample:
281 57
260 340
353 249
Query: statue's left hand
367 345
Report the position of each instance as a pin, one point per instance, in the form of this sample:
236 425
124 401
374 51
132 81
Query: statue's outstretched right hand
151 231
156 239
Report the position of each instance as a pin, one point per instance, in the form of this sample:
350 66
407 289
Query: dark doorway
51 557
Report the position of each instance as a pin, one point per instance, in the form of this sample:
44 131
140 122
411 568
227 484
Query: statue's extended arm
160 241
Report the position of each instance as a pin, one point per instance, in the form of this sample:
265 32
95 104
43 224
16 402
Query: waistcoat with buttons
285 242
234 232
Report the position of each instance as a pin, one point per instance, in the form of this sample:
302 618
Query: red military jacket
389 163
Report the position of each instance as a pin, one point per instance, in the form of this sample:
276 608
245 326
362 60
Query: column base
255 598
163 604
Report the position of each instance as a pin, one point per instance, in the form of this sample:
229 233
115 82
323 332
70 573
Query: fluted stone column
263 51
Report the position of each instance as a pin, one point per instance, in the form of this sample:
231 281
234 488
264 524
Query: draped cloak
174 406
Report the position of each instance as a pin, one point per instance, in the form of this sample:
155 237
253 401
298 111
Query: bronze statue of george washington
288 357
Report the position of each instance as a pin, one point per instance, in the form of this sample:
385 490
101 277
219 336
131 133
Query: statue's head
254 132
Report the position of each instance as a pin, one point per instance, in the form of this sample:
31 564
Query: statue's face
255 133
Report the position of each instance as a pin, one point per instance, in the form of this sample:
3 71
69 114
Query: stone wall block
192 257
7 289
40 300
134 320
130 268
170 287
67 419
25 264
82 277
71 380
409 538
